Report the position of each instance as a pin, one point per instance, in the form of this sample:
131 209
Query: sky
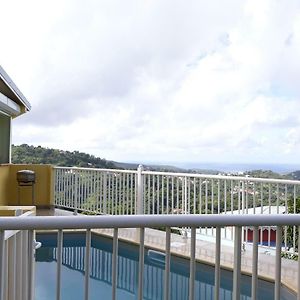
157 81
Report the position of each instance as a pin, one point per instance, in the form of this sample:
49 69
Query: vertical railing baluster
141 264
132 202
12 260
254 198
19 263
269 227
189 196
2 263
25 255
247 211
30 265
212 197
185 195
6 279
117 194
177 195
115 264
158 196
109 198
192 264
127 194
168 208
261 211
237 263
65 199
194 204
294 227
149 194
285 227
278 262
239 197
277 200
217 263
85 182
124 200
104 182
206 196
167 265
206 201
200 196
59 263
225 205
172 208
219 196
298 281
100 195
60 188
162 195
114 193
153 194
225 196
87 264
231 196
254 264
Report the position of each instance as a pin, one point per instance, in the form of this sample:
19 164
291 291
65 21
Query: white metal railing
119 192
102 191
17 257
142 221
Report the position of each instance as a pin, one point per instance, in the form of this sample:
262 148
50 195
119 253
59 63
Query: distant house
267 234
12 104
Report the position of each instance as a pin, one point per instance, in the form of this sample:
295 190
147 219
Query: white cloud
158 80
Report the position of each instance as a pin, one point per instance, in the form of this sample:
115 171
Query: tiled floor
205 251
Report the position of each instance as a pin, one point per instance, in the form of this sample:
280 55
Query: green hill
267 174
295 175
25 154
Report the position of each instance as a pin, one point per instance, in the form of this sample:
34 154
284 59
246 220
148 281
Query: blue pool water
100 273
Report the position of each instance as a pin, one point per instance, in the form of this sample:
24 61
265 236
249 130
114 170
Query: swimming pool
101 273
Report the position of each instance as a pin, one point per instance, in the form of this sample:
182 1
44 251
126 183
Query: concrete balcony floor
205 251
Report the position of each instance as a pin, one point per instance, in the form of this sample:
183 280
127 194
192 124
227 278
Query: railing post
76 194
140 202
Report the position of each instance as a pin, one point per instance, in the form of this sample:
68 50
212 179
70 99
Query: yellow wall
9 211
4 179
43 187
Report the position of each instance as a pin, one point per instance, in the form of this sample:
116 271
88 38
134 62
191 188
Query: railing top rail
140 221
224 177
96 169
193 175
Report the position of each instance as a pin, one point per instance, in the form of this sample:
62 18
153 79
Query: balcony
238 223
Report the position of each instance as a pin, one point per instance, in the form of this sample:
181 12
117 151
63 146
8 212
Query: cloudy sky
159 81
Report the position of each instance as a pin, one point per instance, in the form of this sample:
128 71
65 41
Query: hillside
295 175
267 174
25 154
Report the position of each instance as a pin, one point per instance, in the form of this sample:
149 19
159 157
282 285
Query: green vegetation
295 175
292 231
25 154
267 174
